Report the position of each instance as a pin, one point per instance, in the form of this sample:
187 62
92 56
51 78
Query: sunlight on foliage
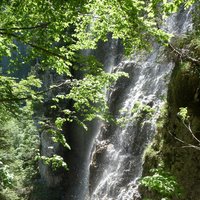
183 114
162 182
55 162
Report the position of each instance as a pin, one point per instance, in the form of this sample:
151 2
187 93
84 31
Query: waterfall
122 147
116 159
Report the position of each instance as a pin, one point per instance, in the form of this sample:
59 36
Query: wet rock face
48 149
115 98
117 158
72 184
116 94
97 166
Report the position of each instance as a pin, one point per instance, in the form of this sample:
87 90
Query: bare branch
183 55
189 128
188 145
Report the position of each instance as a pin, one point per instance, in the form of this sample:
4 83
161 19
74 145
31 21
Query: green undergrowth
19 142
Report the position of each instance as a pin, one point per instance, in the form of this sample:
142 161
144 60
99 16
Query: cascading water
76 185
117 159
123 146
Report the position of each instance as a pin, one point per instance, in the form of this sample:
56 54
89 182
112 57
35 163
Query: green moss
165 149
161 121
150 153
182 87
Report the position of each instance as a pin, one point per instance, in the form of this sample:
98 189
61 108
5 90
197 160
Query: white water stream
117 171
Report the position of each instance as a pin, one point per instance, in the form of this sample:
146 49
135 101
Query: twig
183 55
41 25
188 127
188 145
47 51
29 97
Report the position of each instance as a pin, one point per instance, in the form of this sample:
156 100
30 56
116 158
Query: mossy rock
182 87
183 162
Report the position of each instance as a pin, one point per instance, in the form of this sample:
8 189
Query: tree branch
29 97
184 55
14 99
188 145
41 25
190 130
46 51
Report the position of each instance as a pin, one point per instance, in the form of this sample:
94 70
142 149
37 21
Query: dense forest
61 79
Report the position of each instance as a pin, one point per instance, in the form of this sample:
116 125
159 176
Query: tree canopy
53 33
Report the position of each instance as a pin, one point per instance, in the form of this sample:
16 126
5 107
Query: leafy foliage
183 114
55 162
14 93
5 175
19 146
138 112
142 110
54 33
162 182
